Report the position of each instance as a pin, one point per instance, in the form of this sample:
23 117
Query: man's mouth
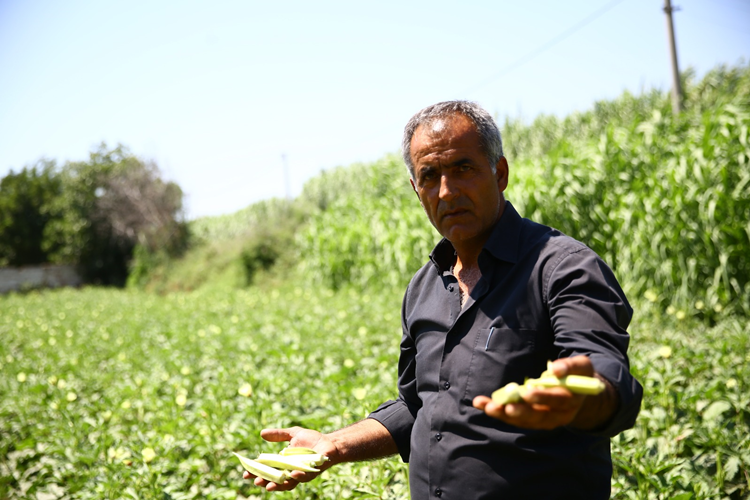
454 213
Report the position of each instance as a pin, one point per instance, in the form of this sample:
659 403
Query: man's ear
501 173
411 181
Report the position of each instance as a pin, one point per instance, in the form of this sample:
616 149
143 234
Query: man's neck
466 260
467 277
467 252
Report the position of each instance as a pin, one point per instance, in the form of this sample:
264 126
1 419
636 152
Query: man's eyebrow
426 169
461 161
431 168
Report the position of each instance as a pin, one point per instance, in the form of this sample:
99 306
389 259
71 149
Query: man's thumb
278 435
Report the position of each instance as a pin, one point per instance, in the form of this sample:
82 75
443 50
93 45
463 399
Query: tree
109 205
25 200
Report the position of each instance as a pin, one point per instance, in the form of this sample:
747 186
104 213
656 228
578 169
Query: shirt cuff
630 394
396 417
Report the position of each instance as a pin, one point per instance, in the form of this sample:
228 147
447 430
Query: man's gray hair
489 134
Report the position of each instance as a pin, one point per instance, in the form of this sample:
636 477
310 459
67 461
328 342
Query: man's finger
528 415
287 485
278 435
491 408
303 477
533 417
577 365
555 398
480 402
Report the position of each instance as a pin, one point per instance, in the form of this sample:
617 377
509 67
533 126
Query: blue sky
216 92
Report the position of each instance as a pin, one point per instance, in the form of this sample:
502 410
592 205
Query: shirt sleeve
398 415
590 315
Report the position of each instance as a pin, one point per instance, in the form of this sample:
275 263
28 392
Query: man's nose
448 189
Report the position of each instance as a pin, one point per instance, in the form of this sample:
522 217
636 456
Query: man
499 297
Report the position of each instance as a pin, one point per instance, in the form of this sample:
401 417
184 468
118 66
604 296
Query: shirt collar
502 244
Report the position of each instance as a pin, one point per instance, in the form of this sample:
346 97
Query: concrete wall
24 278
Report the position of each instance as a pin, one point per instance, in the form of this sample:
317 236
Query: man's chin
459 234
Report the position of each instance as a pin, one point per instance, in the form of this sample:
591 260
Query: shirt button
438 492
438 436
447 386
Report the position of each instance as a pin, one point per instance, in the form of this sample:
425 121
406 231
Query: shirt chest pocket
501 356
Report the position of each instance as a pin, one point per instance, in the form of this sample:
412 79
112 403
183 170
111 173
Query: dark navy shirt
542 296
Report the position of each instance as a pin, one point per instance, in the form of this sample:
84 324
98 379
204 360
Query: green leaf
731 467
682 496
715 410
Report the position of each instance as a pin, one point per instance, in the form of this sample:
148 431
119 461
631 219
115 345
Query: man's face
454 181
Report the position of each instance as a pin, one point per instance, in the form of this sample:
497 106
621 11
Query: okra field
120 394
145 392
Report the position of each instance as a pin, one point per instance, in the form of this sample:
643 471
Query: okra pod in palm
578 384
262 470
507 394
574 383
289 462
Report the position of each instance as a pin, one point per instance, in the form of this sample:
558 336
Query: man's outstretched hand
548 408
297 437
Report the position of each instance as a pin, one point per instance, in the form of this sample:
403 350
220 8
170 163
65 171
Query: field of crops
120 394
111 394
287 313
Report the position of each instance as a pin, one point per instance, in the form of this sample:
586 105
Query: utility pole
676 87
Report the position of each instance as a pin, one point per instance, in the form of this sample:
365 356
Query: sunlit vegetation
287 313
113 394
116 394
664 200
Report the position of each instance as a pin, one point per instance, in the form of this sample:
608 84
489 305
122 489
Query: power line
544 47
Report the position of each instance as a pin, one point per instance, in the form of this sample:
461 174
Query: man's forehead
443 138
440 124
437 126
444 128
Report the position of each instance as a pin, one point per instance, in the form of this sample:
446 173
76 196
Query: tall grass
664 200
373 235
